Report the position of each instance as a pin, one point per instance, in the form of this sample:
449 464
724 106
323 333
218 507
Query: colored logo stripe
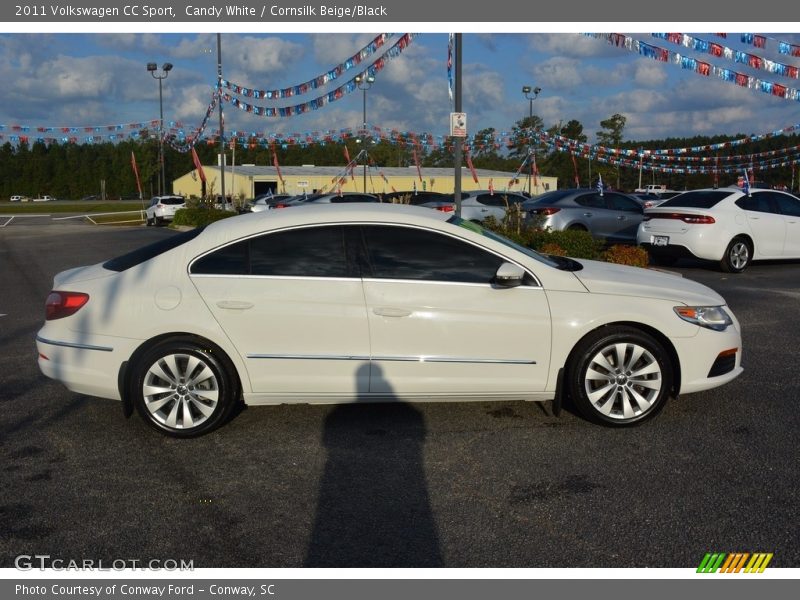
734 562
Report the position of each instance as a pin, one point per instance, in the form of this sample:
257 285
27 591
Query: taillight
281 206
447 208
550 210
686 218
63 304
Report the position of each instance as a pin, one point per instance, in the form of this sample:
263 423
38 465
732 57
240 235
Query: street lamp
527 90
165 69
364 82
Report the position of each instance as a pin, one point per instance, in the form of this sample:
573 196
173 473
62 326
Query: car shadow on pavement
373 508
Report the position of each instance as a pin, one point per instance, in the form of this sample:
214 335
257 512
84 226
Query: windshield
503 240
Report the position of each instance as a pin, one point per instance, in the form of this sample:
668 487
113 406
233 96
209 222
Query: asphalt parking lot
454 485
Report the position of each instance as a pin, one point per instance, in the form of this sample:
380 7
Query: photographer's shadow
373 508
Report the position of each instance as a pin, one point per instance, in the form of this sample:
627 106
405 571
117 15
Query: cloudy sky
78 80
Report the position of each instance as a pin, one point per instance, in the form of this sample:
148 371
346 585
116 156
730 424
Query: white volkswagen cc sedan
363 303
724 225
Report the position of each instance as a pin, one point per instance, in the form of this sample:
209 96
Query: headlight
712 317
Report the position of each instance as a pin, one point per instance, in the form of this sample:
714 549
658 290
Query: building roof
310 170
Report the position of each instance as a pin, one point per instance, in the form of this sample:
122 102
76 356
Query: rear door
789 208
766 226
292 303
627 214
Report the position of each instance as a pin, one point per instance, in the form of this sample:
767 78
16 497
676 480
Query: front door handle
587 214
388 311
234 305
621 218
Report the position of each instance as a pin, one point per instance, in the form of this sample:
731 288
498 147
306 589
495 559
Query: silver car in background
476 205
613 216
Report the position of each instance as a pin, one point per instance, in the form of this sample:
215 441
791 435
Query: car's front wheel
737 256
620 376
183 389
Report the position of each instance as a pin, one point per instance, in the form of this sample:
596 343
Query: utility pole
458 141
221 121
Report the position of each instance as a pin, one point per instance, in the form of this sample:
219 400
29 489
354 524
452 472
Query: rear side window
500 199
699 199
308 252
137 257
758 202
591 201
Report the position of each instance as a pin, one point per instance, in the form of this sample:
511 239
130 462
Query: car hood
620 280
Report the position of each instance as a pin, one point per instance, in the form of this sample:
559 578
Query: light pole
526 89
165 69
364 82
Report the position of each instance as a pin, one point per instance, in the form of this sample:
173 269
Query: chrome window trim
291 277
538 283
459 283
74 345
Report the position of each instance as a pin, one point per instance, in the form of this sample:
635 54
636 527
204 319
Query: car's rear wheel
737 255
183 389
576 227
620 376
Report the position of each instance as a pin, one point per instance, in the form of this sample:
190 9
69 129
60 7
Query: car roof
313 213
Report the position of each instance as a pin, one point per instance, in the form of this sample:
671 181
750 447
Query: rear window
549 198
173 200
699 199
140 255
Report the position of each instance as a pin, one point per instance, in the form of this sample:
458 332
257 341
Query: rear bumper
89 365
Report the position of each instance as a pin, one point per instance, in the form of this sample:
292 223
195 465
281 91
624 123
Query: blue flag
746 184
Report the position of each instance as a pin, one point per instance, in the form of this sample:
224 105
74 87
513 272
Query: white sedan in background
370 302
725 225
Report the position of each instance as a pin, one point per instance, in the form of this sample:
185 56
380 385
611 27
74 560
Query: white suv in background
163 208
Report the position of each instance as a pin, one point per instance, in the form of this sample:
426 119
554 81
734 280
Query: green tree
612 133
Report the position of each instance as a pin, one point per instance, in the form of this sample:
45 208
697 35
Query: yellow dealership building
249 181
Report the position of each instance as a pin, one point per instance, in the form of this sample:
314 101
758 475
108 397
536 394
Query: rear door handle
388 311
234 305
587 214
621 218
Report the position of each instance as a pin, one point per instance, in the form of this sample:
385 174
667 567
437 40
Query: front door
438 326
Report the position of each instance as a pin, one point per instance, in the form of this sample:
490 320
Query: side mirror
509 275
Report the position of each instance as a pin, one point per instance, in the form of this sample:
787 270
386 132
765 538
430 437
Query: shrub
199 216
554 249
634 256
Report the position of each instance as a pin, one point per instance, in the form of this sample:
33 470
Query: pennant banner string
700 67
751 60
316 82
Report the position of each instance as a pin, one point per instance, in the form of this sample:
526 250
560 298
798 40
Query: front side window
788 205
408 253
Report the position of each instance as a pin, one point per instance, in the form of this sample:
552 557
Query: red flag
136 172
472 168
575 166
198 165
277 166
416 162
349 165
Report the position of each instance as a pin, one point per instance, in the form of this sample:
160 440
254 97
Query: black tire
738 255
619 393
198 388
147 220
576 227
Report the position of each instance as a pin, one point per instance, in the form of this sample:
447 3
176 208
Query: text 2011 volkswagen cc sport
346 303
